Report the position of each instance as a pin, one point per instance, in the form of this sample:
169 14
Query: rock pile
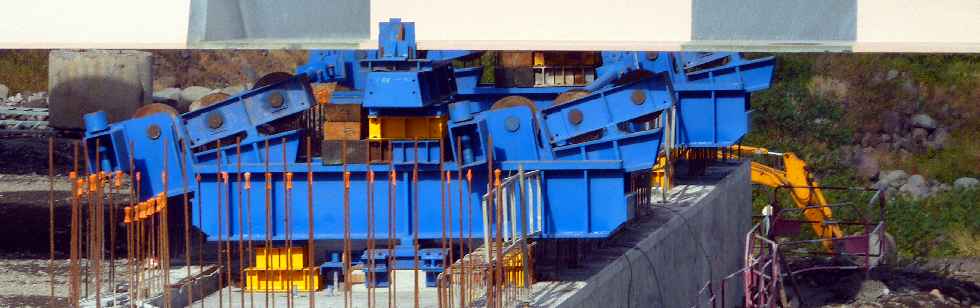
917 186
186 99
23 99
898 134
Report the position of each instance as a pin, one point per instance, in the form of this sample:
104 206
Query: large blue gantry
584 148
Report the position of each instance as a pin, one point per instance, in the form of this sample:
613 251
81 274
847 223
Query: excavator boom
805 192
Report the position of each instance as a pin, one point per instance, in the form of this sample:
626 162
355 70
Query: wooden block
342 112
590 59
514 77
323 91
357 276
342 131
515 59
378 151
573 58
335 152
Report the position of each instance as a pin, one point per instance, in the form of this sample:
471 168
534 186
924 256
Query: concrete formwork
665 258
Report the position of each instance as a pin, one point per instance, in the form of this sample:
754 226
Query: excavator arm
805 192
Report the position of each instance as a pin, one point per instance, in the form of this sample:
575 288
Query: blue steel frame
583 182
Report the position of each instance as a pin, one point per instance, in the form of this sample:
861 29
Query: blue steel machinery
585 141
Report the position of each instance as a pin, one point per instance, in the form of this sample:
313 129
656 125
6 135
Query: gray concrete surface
666 257
323 298
780 20
270 24
115 81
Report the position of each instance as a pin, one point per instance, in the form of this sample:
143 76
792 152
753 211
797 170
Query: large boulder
80 82
4 91
232 90
168 94
916 187
892 179
36 100
867 165
924 121
193 93
892 74
966 183
938 139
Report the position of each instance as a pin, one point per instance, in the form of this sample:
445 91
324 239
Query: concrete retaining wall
115 81
702 240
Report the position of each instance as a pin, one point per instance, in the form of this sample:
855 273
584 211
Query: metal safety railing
514 203
499 273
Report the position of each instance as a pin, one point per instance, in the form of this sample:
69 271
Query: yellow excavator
804 190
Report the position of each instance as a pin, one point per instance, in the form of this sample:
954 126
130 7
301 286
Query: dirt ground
24 208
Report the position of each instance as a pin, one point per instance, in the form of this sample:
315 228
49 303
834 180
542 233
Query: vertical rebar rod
116 184
346 212
287 228
200 222
524 221
391 227
241 221
73 264
449 206
309 211
98 245
88 216
129 249
462 254
217 184
134 201
469 227
51 218
268 223
164 228
251 251
369 209
415 220
187 221
139 249
131 246
490 290
499 241
442 221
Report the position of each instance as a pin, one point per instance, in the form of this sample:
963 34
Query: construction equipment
804 190
582 139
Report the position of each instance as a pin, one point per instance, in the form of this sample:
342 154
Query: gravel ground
24 212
